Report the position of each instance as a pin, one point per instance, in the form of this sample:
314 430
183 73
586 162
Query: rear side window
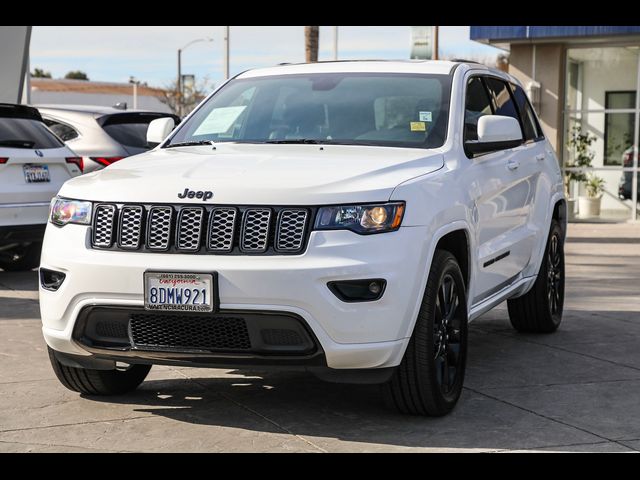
62 130
26 133
477 105
530 124
503 101
129 130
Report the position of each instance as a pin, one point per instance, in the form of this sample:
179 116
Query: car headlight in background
363 219
64 211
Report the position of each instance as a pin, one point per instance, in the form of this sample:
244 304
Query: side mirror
495 132
158 130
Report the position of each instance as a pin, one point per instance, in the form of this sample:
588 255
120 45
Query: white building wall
40 97
14 45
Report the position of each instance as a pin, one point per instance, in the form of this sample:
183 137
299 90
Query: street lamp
179 82
135 82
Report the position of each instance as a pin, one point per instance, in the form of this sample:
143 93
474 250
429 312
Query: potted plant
589 205
580 144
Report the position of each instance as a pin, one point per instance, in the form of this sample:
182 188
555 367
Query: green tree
40 73
76 75
580 145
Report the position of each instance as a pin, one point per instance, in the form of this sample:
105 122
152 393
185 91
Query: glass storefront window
618 127
600 131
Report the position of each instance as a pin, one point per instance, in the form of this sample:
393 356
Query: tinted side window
530 125
502 97
477 104
26 133
129 129
64 132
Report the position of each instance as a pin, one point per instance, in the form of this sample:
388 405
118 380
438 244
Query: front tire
99 382
429 380
540 310
21 259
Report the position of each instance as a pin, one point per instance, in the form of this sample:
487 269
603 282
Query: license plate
182 292
36 173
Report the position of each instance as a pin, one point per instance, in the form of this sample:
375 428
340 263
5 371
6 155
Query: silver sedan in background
101 135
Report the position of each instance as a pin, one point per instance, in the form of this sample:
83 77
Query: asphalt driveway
576 390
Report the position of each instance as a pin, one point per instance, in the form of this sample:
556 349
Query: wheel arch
457 244
451 234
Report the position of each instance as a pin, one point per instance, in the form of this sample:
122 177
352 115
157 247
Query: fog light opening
354 291
51 280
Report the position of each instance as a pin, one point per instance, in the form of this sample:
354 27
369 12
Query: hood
246 174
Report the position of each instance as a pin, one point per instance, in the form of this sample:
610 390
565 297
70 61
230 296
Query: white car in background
34 164
101 135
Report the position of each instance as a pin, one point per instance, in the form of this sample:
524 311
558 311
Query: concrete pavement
576 390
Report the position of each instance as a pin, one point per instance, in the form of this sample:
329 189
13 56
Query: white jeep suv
346 218
34 164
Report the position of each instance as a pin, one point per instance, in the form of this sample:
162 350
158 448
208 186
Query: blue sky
149 53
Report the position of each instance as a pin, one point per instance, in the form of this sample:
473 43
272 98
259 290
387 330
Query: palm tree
311 41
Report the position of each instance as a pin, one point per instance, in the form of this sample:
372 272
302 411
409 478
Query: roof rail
462 60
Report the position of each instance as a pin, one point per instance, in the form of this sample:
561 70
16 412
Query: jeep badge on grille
188 193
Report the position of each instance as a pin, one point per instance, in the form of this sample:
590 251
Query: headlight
363 219
64 211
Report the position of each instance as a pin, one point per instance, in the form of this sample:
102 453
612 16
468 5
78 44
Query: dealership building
584 78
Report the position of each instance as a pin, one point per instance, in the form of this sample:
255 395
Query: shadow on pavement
27 281
18 309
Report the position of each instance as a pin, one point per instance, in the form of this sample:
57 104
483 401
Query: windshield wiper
190 144
297 141
17 143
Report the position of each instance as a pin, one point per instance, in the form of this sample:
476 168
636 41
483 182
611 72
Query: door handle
513 165
541 157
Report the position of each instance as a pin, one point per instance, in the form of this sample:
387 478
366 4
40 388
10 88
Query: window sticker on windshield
426 117
418 127
219 120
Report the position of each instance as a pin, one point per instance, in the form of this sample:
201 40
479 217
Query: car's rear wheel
429 380
99 382
22 258
540 310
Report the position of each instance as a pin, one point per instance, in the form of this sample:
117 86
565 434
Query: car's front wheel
99 382
22 258
429 379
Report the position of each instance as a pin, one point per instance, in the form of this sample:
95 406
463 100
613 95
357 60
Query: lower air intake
189 333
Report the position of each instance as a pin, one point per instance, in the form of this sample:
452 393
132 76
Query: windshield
399 110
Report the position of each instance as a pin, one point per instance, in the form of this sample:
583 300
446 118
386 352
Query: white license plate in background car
182 292
36 173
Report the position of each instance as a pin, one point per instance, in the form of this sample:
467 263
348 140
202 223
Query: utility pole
335 43
227 42
135 82
179 85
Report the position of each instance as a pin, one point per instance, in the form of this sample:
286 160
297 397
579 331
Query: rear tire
22 259
99 382
429 380
540 310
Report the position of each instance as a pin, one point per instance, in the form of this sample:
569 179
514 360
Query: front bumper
351 335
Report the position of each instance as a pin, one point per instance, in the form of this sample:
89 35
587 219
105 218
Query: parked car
625 186
101 135
34 164
349 218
